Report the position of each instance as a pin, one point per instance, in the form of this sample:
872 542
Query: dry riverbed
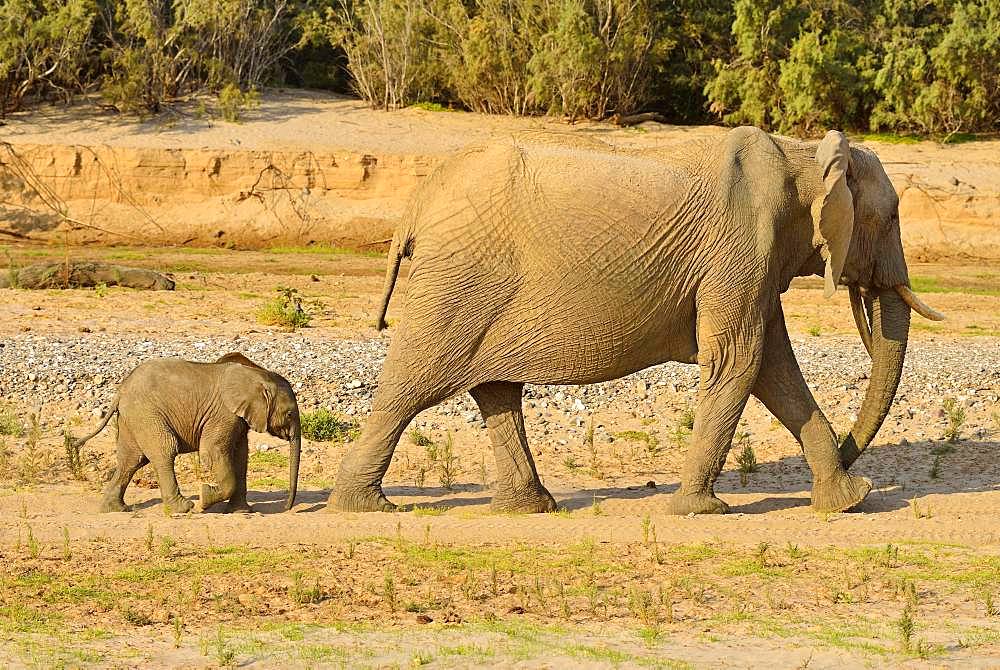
911 578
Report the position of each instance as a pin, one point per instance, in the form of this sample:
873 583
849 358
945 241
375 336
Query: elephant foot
368 499
840 493
683 504
532 500
114 505
238 506
181 505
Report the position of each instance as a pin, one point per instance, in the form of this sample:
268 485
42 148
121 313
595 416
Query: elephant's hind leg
518 486
398 400
130 460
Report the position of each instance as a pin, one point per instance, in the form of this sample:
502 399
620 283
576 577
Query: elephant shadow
899 474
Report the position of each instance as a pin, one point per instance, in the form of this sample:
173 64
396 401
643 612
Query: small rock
424 619
650 484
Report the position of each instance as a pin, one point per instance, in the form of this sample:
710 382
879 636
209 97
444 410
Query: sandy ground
609 581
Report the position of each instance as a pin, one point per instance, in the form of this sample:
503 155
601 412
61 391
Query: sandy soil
609 581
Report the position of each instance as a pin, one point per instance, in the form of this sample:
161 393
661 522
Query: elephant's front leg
518 486
238 500
728 358
783 390
223 458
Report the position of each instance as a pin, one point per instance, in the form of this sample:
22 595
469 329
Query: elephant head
267 403
856 224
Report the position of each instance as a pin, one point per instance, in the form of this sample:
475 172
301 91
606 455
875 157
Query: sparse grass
422 510
814 330
431 107
265 459
934 285
323 425
448 465
285 310
324 249
650 441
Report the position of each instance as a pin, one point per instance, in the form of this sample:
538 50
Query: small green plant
746 459
225 656
814 330
570 463
955 415
992 609
101 290
595 507
178 631
419 438
10 424
650 441
167 546
647 523
303 595
918 511
135 617
323 425
12 270
150 539
935 468
34 549
67 552
448 463
686 420
389 591
285 310
73 460
233 101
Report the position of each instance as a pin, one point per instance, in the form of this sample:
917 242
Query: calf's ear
246 394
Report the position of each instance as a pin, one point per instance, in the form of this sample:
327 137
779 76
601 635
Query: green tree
45 47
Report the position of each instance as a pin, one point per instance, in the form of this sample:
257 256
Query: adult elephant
558 260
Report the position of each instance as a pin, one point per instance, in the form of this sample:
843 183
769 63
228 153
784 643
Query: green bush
325 426
46 47
285 310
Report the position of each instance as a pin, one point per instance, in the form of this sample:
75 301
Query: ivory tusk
860 318
918 305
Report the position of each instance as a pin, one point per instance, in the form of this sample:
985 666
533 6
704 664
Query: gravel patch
84 371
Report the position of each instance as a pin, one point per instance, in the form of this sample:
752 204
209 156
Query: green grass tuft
325 426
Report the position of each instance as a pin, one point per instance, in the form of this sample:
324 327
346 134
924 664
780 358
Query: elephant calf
169 406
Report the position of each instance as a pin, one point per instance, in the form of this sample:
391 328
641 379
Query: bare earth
910 579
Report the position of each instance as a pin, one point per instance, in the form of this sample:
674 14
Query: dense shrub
46 46
927 66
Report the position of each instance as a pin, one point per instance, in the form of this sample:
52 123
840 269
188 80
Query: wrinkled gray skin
169 406
557 260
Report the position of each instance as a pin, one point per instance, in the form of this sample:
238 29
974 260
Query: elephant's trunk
890 327
294 449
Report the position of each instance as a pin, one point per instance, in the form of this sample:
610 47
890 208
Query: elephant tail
401 247
111 412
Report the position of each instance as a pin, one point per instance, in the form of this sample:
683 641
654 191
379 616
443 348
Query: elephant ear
833 211
245 394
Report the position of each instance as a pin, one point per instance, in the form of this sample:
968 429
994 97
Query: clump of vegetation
73 460
323 425
285 310
233 101
650 441
746 459
10 423
954 413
